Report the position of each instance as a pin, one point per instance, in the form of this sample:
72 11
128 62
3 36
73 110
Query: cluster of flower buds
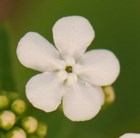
15 121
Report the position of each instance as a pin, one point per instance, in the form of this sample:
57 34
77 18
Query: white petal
81 102
72 35
44 91
36 52
130 135
99 67
102 95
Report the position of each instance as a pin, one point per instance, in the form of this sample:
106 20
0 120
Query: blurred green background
117 27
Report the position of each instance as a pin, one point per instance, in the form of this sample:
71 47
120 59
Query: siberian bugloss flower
130 135
69 73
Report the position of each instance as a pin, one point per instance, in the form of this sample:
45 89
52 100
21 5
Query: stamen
68 69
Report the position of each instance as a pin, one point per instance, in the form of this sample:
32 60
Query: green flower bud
18 106
42 130
109 94
4 101
16 133
30 124
7 120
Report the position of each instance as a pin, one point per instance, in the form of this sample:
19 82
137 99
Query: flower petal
72 35
81 102
130 135
44 91
102 95
37 53
99 67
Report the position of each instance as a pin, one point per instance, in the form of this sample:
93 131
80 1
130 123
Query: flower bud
18 106
30 124
7 120
41 130
16 133
109 94
4 101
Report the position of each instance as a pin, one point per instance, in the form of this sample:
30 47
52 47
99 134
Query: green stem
6 76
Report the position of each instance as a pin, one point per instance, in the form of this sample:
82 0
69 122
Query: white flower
130 135
69 74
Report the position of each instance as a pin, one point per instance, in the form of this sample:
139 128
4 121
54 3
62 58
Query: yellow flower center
68 69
